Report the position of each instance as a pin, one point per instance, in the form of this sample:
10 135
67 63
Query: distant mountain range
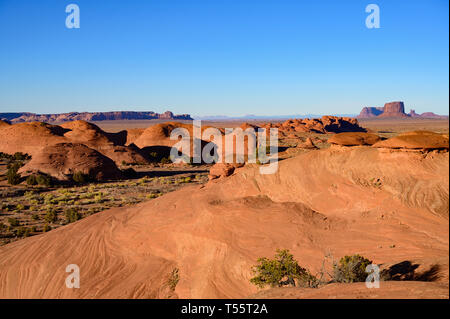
91 116
397 110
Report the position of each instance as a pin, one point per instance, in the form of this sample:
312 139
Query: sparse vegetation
13 222
351 269
72 215
80 178
44 180
49 205
12 175
283 270
174 278
31 180
50 216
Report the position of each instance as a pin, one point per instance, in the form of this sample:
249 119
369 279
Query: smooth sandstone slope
33 137
320 202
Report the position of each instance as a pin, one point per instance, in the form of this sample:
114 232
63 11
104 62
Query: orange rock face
308 144
32 137
326 124
64 159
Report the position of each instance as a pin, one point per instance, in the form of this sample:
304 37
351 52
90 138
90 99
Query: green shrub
165 160
31 180
80 178
20 207
173 279
22 232
19 156
50 216
13 222
72 215
35 217
44 180
351 269
281 271
46 228
12 175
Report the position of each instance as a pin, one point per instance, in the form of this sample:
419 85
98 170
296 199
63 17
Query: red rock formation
368 112
308 144
64 159
418 140
394 109
354 139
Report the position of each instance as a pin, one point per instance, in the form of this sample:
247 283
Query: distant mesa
395 110
91 116
368 112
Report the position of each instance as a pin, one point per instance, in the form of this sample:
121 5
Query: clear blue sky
217 57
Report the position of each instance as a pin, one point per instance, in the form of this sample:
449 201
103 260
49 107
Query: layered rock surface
316 203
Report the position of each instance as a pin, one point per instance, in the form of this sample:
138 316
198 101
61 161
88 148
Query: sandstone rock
368 112
64 159
413 113
416 140
308 144
221 170
109 144
214 234
394 109
30 138
4 123
354 139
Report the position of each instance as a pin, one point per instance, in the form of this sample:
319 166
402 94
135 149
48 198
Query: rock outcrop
368 112
354 139
308 144
62 160
417 140
394 109
326 124
223 169
109 144
31 137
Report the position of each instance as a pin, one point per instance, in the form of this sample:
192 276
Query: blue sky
223 57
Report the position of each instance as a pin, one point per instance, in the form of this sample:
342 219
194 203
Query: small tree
281 271
72 215
50 217
44 180
80 178
351 269
31 180
12 175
